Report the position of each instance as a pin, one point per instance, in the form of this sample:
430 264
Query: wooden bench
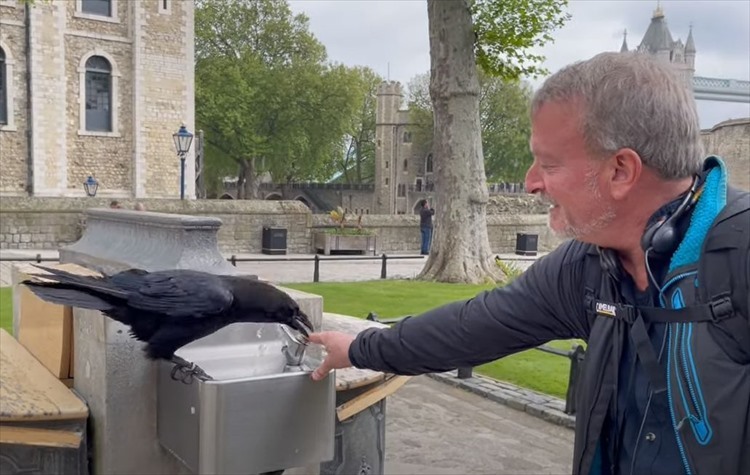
42 422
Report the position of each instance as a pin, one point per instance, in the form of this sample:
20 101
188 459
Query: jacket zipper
674 328
670 400
698 420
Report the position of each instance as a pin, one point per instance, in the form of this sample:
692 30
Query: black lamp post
90 185
182 141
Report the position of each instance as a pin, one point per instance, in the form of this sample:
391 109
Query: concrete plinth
111 371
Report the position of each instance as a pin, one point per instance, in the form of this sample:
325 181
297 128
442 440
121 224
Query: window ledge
93 133
8 128
90 16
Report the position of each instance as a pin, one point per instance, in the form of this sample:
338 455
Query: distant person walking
425 225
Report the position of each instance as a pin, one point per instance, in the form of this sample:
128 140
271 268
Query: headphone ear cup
648 236
664 241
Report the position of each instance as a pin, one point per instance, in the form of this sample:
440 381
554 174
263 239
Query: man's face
566 176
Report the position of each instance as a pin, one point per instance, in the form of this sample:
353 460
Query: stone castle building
729 139
403 174
95 88
658 42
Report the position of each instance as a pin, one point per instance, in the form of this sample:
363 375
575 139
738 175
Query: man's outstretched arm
544 303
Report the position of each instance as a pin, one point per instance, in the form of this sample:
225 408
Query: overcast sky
390 36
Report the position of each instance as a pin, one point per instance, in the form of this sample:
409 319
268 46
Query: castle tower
658 42
690 52
387 129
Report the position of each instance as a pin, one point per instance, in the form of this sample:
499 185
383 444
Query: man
655 279
425 225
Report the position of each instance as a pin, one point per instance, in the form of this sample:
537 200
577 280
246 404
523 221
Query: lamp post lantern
90 185
182 141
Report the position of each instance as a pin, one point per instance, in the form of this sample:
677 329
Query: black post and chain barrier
316 260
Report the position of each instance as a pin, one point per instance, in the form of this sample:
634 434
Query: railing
38 259
575 355
318 186
233 259
506 187
384 258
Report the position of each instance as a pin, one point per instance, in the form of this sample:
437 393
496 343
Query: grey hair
631 100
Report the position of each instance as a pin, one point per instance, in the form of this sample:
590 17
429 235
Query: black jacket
549 301
425 217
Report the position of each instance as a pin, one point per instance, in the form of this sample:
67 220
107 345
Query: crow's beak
302 323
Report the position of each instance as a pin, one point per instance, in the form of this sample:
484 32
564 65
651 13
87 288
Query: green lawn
6 309
394 298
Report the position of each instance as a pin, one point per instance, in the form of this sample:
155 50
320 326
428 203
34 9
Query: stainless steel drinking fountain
259 413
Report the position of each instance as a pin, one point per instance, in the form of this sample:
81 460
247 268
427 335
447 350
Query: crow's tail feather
64 294
83 283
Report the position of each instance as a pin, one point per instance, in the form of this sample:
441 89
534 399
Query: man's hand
337 346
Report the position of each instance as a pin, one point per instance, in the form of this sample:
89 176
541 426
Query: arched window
407 137
428 165
3 89
98 94
406 165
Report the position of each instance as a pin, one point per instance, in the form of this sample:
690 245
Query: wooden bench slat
28 391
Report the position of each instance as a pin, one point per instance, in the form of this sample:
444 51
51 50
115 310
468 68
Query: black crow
169 309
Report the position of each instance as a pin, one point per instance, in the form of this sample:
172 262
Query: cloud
391 36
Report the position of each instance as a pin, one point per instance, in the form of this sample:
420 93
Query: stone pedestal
111 371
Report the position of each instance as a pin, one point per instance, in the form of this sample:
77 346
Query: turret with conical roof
658 41
624 47
690 50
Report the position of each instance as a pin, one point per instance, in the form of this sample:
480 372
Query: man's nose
534 182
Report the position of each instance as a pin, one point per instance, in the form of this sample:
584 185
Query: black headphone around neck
662 237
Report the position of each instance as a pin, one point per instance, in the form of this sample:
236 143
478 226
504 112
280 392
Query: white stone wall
151 52
14 178
165 83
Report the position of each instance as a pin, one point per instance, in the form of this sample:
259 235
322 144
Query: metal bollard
465 373
383 267
576 356
316 269
38 258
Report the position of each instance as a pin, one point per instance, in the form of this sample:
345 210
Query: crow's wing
177 293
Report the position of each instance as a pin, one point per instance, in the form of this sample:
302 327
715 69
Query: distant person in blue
425 225
655 278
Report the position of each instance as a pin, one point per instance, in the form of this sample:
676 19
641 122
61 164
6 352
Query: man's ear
626 167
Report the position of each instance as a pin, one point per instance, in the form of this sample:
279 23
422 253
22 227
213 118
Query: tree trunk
460 249
247 184
241 180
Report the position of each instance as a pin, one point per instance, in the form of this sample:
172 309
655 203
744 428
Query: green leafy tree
504 119
265 96
499 33
357 164
506 127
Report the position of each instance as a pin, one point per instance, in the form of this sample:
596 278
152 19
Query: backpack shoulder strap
724 266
